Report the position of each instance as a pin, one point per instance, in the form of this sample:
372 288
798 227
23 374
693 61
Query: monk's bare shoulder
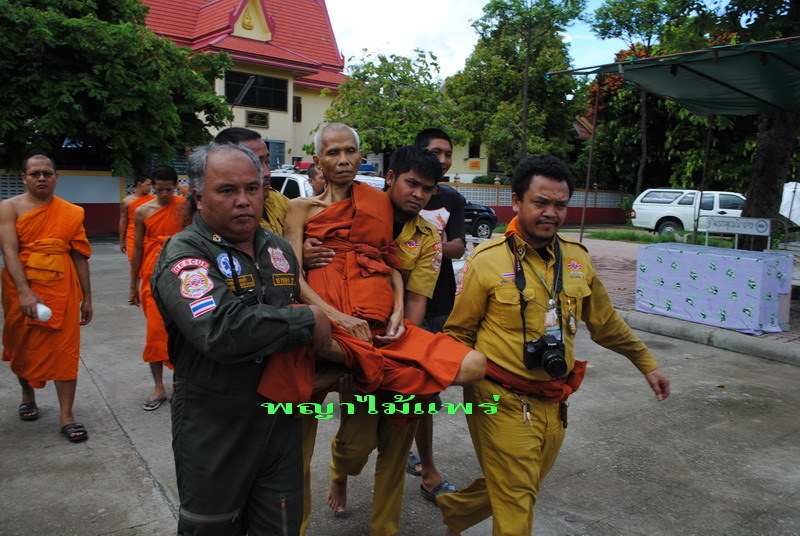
13 208
302 208
145 210
128 200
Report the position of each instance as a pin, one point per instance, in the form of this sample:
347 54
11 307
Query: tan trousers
514 456
361 433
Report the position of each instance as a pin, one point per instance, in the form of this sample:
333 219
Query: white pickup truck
666 210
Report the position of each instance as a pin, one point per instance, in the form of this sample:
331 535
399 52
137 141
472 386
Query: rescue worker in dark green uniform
225 288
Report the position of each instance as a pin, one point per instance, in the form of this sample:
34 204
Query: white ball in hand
43 312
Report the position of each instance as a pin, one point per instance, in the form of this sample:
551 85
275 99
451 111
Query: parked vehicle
479 221
296 184
667 210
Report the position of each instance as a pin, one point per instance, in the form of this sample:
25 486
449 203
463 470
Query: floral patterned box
727 288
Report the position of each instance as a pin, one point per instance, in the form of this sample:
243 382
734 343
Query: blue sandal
441 489
411 467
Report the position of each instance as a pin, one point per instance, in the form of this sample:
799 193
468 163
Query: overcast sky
440 26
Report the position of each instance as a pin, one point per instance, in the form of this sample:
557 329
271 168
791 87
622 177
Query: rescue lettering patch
224 264
245 281
185 263
279 260
195 283
412 246
202 306
280 280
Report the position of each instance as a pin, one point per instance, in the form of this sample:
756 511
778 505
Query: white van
296 184
667 210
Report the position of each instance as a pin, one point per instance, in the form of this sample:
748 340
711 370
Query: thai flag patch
202 306
508 275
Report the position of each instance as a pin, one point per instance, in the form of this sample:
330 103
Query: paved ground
717 458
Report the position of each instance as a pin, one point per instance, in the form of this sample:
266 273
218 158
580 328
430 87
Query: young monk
362 293
141 195
155 221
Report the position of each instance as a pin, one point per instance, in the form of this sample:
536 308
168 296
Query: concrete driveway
719 457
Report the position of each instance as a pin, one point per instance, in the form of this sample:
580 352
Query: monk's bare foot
451 532
337 498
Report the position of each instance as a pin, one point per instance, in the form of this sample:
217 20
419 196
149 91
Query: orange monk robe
159 226
358 282
131 229
42 351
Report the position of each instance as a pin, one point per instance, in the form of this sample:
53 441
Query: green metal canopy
745 79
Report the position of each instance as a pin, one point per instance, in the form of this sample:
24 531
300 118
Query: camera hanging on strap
546 352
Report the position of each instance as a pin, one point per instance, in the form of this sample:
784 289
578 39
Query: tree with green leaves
92 72
389 99
504 97
640 25
759 20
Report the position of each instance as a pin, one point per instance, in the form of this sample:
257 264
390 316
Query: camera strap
520 282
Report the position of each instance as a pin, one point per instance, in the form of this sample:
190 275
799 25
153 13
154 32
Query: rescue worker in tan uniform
519 302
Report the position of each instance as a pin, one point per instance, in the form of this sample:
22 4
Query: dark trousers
239 469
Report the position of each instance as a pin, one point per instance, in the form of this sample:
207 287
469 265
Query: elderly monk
274 212
155 221
46 263
141 195
362 292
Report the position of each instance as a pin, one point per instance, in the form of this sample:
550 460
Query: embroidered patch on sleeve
202 306
195 283
279 260
436 261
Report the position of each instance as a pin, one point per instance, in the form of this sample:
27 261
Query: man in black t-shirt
445 211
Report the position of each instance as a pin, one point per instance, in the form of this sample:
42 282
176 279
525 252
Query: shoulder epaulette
572 241
489 244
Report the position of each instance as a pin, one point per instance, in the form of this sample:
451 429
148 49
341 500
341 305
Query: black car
479 221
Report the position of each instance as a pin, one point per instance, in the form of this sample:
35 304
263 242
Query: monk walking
46 290
154 222
141 195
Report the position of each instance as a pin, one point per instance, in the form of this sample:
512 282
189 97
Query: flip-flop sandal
152 404
441 489
28 411
411 466
74 428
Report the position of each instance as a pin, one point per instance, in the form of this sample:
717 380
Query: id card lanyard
552 320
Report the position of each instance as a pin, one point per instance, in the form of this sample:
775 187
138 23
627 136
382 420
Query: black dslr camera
548 353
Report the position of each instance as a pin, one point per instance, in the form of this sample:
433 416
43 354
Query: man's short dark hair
414 158
164 173
35 156
425 137
236 135
312 170
138 179
546 165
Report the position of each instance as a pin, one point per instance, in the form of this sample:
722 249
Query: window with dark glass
266 92
297 110
474 149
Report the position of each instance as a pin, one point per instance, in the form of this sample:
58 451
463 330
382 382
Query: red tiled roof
302 36
322 79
